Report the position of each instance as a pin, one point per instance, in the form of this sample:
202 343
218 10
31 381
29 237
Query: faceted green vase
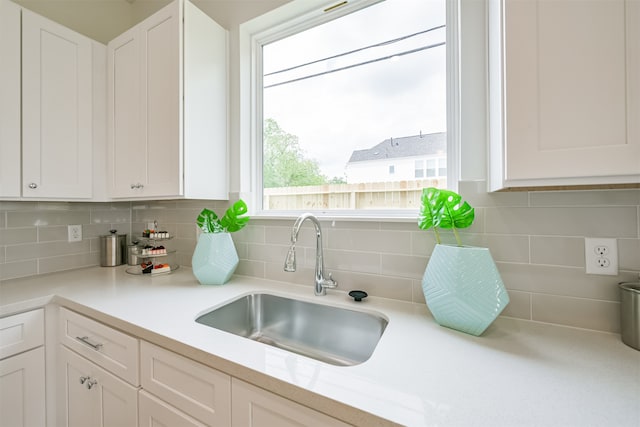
214 259
463 288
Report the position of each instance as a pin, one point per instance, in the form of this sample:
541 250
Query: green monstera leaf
208 222
455 212
233 219
430 214
444 209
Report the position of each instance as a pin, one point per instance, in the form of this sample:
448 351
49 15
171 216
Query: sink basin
333 335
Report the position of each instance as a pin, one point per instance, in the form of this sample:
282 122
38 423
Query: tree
284 162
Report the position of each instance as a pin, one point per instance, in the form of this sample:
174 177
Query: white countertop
518 373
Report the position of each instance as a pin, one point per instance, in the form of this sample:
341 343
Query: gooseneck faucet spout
321 283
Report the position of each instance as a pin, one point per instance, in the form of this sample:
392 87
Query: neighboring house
400 159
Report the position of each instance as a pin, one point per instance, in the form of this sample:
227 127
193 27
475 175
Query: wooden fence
376 195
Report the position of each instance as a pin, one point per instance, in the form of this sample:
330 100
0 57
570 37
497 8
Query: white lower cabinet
154 412
22 370
186 386
97 375
98 385
177 391
92 396
255 407
22 395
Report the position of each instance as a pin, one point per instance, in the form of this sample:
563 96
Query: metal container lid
113 234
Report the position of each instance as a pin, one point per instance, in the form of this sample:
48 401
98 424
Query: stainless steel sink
330 334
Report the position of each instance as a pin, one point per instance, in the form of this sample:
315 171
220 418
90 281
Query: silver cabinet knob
33 185
83 380
91 383
137 185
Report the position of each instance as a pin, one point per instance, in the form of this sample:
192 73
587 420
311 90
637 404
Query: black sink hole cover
358 295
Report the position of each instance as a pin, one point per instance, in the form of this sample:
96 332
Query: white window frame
294 17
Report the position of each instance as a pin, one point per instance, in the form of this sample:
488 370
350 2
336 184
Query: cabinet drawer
21 332
111 349
196 389
255 407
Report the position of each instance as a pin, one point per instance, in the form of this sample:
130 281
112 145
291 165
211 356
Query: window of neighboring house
419 169
343 93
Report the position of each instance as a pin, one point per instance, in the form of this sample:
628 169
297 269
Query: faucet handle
329 283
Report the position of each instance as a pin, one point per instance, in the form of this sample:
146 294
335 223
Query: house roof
406 146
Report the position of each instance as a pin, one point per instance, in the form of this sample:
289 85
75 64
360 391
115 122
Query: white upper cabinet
56 110
49 80
167 107
564 92
9 99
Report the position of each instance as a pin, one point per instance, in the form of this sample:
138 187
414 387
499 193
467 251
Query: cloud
336 113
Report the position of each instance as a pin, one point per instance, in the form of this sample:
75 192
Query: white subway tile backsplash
55 233
519 305
403 266
536 238
12 270
629 254
507 248
68 262
46 217
364 262
567 251
251 268
610 221
12 236
554 280
586 198
370 241
34 240
578 312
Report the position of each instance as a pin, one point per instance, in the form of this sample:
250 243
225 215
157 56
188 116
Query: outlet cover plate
74 233
601 256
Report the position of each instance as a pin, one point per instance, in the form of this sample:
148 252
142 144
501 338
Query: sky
338 112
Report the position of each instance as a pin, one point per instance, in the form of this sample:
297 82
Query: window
419 169
342 93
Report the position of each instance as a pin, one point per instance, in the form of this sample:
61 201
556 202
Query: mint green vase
463 288
215 258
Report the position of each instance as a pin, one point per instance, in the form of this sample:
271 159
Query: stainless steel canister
630 313
133 251
113 249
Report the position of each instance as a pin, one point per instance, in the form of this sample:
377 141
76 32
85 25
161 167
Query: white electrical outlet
74 233
601 256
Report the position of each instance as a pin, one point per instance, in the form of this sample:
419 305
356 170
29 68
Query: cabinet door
162 100
9 99
196 389
127 152
56 110
145 104
571 91
255 407
156 413
90 396
22 389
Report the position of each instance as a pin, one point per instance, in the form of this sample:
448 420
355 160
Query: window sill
403 216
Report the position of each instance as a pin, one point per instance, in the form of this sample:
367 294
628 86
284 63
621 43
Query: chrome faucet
321 283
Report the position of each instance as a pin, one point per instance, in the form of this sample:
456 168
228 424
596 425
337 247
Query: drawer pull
85 340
